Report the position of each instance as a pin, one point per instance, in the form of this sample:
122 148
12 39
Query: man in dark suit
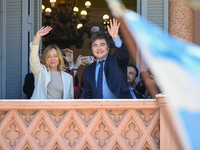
132 77
112 83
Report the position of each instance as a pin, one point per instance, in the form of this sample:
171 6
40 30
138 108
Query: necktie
132 93
100 81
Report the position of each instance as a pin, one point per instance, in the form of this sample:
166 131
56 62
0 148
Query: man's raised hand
113 28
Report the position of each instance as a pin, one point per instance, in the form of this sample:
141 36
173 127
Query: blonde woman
51 82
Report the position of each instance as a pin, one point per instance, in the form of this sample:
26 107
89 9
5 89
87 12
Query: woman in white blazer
51 81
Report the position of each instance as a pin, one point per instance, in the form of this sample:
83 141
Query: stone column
181 22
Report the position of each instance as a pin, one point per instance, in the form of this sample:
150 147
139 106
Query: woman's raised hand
43 31
113 28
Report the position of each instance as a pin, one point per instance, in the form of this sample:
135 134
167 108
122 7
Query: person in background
28 87
147 85
73 68
107 77
81 60
132 77
51 81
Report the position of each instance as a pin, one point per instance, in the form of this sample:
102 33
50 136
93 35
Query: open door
19 20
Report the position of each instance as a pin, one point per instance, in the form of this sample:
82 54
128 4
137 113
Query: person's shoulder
90 66
29 75
66 74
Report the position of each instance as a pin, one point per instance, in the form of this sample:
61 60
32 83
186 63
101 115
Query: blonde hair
61 65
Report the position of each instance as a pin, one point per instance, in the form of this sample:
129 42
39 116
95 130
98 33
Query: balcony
86 125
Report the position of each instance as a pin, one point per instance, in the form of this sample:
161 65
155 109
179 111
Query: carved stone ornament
156 134
147 115
86 115
116 115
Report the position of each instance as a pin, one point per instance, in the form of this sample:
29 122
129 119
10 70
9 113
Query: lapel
92 77
65 80
47 78
106 64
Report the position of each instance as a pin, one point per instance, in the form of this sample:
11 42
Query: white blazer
43 77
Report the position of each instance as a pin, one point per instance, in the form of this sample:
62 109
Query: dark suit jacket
115 70
138 95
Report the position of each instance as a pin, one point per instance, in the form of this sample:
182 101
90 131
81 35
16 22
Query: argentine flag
176 66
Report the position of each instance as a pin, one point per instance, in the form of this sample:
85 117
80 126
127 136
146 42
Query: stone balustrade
85 125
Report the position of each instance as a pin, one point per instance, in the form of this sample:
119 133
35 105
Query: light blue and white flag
176 66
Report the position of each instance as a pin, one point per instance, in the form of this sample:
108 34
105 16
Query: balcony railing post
168 133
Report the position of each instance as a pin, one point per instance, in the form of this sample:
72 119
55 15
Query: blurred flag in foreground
176 66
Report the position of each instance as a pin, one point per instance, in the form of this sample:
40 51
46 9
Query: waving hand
113 28
43 31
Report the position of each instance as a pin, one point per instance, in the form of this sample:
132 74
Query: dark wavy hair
99 35
136 69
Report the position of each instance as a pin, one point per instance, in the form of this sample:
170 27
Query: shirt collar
101 60
130 88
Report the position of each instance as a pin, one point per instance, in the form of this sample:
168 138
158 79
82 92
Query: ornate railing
83 125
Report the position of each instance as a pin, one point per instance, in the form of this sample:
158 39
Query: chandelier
68 24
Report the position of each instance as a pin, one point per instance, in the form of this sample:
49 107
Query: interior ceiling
96 3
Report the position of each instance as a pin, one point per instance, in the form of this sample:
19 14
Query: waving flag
176 66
